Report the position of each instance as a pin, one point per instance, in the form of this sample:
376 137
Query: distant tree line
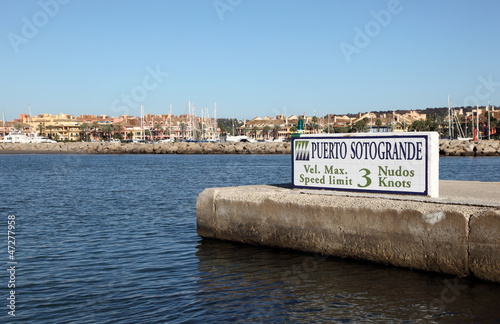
228 125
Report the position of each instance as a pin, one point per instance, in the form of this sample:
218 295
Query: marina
265 162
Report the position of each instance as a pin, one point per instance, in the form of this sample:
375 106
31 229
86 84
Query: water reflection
263 284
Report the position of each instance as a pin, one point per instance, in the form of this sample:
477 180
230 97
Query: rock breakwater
163 148
469 148
446 147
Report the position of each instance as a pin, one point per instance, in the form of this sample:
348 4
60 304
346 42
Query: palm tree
183 128
147 132
84 128
104 129
277 128
378 122
109 130
367 122
266 130
314 124
418 125
50 128
95 125
360 125
330 129
255 129
161 130
158 129
118 128
222 127
19 126
130 135
40 128
432 124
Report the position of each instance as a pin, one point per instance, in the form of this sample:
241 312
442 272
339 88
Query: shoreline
446 148
130 148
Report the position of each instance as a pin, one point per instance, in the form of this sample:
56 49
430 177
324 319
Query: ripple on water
109 239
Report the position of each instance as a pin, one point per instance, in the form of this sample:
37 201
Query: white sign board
397 163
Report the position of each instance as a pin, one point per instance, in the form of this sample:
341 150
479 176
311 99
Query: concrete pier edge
457 234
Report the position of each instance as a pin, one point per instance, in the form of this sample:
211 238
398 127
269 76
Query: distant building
191 127
62 126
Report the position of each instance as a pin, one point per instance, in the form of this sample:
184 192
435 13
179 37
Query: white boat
19 137
276 140
168 140
42 139
240 138
16 137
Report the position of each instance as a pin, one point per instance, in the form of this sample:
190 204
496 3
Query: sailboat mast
142 122
477 122
449 117
472 122
31 130
453 122
188 119
465 122
393 121
193 123
489 130
170 122
3 119
202 124
215 121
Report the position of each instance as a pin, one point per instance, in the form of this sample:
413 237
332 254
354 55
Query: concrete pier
458 233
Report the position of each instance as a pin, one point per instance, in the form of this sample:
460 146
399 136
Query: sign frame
431 159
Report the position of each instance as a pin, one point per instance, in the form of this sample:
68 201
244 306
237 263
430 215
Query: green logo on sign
301 151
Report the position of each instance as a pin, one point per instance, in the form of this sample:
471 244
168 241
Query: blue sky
251 57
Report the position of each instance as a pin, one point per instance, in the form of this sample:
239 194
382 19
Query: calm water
112 239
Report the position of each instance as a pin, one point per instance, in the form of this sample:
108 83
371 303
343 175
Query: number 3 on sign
368 180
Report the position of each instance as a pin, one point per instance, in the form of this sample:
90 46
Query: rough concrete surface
445 234
484 246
